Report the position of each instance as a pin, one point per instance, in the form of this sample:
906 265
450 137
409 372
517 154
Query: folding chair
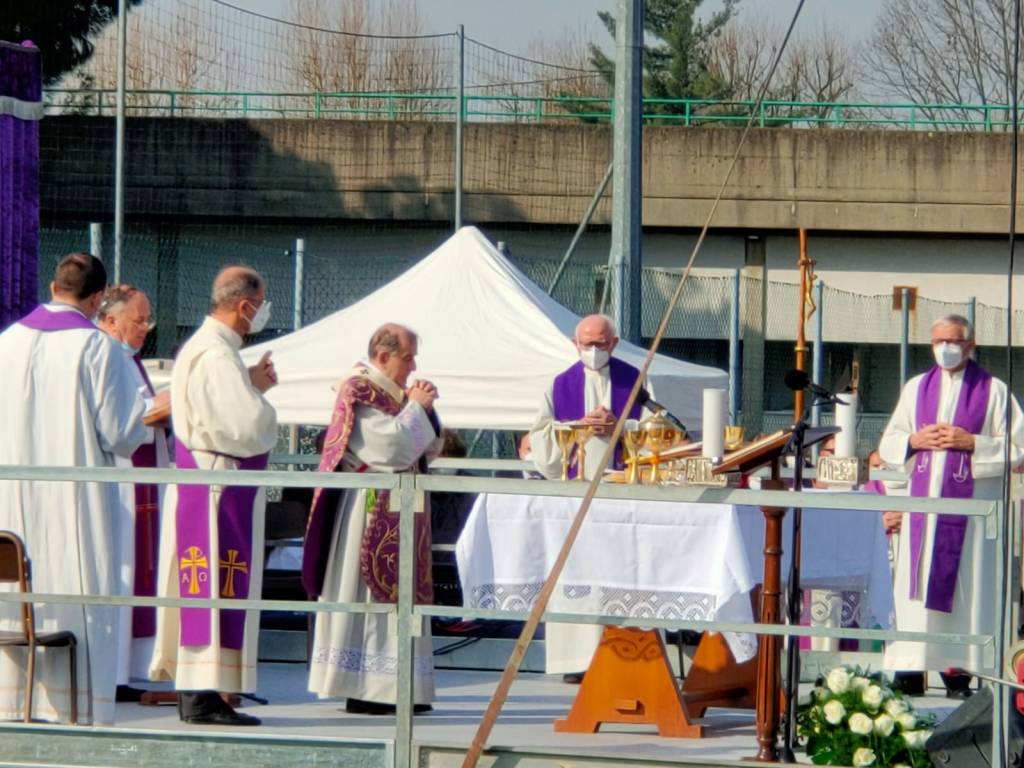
16 569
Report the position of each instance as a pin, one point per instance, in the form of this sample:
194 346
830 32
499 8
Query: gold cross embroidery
232 565
193 562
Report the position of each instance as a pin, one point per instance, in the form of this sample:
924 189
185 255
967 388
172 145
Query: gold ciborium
661 435
581 434
565 437
633 438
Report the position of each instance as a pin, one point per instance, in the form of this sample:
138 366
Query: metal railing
490 107
407 614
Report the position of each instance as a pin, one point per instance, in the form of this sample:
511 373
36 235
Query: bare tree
945 55
816 68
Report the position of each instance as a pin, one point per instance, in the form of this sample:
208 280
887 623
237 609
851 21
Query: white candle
846 420
714 424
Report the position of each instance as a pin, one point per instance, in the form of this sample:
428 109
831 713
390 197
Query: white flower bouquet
856 718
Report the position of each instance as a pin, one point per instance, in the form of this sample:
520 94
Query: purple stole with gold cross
957 483
378 554
233 558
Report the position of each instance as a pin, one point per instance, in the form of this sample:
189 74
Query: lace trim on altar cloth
637 603
354 660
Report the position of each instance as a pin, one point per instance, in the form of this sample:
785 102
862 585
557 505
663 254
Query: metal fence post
734 350
904 335
818 362
119 139
460 114
96 239
406 569
972 314
300 256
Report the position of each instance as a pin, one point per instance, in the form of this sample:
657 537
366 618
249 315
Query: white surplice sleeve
110 388
228 413
547 456
990 446
393 443
894 447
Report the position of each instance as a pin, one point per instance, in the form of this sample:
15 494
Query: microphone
644 399
797 380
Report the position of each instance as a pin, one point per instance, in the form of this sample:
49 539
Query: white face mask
594 358
948 356
259 320
132 351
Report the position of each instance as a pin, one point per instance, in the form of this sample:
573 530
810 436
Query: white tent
490 339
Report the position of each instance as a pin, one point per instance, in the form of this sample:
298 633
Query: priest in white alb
380 423
125 316
949 431
211 540
67 398
594 390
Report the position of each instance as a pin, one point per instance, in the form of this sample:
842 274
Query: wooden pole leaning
483 731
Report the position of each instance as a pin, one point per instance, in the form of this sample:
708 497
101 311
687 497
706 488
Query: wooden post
770 646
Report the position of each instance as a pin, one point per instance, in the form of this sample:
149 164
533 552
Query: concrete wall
842 181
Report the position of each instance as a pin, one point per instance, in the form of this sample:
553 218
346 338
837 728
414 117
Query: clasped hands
600 420
942 437
422 392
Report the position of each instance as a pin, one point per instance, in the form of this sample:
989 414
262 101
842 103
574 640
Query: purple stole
957 483
378 553
234 556
567 397
42 319
147 530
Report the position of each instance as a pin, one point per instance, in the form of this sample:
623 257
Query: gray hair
388 338
960 320
234 284
114 299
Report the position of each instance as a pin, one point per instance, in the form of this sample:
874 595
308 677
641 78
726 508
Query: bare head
79 280
595 340
392 350
125 315
238 295
952 341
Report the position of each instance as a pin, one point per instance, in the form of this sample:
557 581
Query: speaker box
964 739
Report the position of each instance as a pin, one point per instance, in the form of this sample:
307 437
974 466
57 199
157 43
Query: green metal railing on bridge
491 107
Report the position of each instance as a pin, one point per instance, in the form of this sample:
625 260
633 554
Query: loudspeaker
964 739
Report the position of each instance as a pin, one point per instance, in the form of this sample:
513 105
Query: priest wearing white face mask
211 538
949 430
125 316
593 390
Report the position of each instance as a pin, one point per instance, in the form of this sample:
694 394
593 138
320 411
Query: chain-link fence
863 336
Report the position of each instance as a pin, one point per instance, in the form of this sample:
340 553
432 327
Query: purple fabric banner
21 92
567 394
957 483
234 556
42 319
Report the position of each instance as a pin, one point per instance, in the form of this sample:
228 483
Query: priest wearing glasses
949 432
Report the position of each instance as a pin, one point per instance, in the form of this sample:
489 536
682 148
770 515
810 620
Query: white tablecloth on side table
632 558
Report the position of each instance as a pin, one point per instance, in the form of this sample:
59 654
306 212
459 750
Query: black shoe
958 684
363 707
222 717
573 678
909 683
127 693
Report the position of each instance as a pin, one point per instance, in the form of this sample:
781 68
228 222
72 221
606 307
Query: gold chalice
733 437
633 438
661 436
582 434
565 436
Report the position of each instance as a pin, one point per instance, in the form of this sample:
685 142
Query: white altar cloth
632 558
667 560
